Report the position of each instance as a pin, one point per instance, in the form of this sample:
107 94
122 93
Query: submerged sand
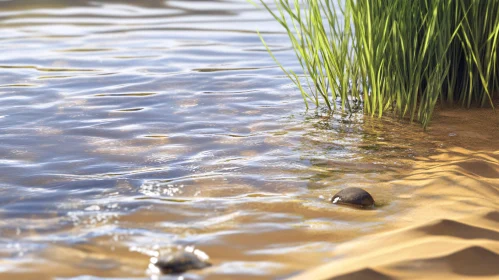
451 227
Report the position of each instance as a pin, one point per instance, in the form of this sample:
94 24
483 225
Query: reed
393 56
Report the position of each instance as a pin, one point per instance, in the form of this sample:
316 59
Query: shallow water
133 127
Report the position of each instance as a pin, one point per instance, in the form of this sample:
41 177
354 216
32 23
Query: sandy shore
451 227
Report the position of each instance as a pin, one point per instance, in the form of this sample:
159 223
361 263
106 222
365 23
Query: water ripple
157 123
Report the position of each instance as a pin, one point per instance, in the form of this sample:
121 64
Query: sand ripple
449 231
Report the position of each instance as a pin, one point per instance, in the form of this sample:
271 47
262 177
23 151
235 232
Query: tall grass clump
394 56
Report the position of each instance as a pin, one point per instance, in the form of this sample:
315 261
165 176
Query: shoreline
450 229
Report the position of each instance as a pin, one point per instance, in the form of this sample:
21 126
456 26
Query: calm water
134 127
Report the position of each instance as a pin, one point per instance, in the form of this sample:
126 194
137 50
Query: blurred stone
181 261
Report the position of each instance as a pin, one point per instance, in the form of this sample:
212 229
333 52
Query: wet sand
450 228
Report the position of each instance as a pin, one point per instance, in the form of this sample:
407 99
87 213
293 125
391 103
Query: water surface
138 126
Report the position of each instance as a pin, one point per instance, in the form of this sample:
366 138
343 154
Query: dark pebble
179 262
356 197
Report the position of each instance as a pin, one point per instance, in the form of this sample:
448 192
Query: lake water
134 126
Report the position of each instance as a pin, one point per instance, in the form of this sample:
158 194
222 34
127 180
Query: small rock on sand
356 197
